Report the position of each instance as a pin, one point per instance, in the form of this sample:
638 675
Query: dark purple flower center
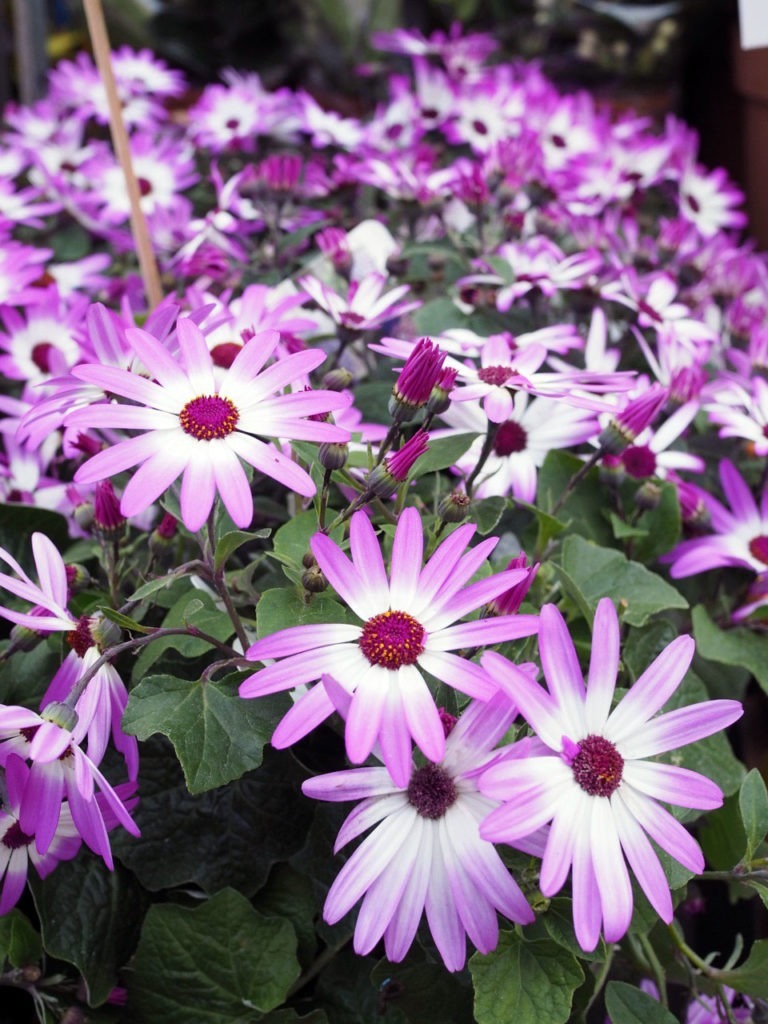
510 438
208 417
14 838
431 791
758 548
225 353
392 639
495 375
480 127
145 186
639 461
80 639
447 720
41 356
598 766
694 203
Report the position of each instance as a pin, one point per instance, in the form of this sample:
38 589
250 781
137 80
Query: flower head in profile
596 784
199 424
740 532
408 625
425 852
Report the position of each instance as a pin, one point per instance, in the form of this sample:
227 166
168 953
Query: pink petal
561 670
196 357
271 462
198 489
610 871
603 666
464 675
233 487
401 930
673 785
642 859
344 577
654 687
421 714
664 829
535 704
50 568
153 478
120 457
306 714
297 639
407 556
157 359
680 727
366 556
365 714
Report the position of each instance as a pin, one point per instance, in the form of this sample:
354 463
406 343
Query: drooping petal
442 915
664 829
121 456
272 463
306 714
558 855
306 667
610 871
198 490
382 900
642 858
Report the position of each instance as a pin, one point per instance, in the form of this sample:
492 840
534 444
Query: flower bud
333 454
78 578
632 420
108 520
337 379
313 580
648 495
509 602
60 714
104 632
439 399
454 507
385 479
418 377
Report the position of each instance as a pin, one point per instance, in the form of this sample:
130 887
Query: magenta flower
409 625
741 532
17 848
199 424
426 853
595 784
60 770
48 598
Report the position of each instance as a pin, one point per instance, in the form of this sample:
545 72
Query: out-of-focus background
658 57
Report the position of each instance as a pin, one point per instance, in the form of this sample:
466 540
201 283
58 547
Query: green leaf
283 607
19 522
292 895
623 530
739 646
524 982
20 944
556 923
629 1005
437 316
487 512
722 835
753 804
751 977
230 542
231 836
217 735
588 572
197 609
161 583
90 917
442 453
582 510
661 526
422 990
124 621
219 962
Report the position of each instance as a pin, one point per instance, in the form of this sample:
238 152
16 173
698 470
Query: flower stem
217 578
576 479
101 52
490 437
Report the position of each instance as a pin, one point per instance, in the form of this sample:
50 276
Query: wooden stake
97 29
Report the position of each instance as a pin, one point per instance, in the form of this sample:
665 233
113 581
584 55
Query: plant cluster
434 487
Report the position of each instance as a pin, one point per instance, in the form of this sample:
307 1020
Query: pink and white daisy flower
17 848
425 853
595 783
408 626
198 424
740 535
60 770
48 597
